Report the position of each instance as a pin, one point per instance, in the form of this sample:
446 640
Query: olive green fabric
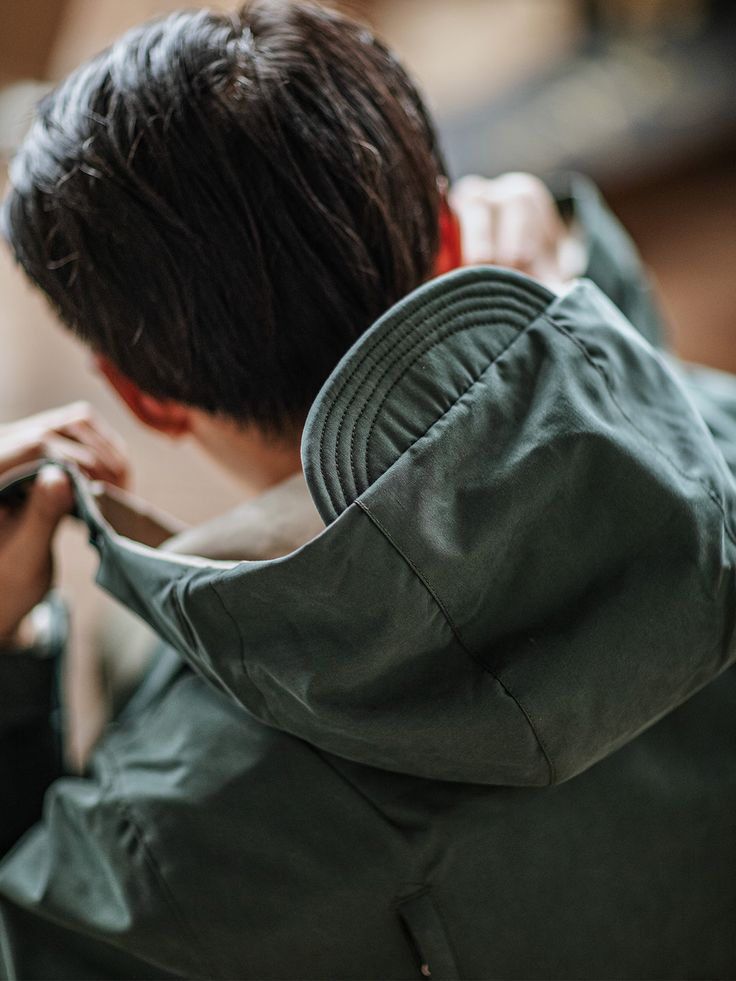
426 740
552 516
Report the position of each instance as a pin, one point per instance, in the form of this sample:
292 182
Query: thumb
49 500
27 563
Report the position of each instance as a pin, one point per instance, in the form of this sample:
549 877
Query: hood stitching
419 304
456 633
475 304
424 351
423 338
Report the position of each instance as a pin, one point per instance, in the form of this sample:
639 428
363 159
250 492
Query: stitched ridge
458 636
471 299
428 322
469 305
498 317
580 344
419 304
408 368
487 287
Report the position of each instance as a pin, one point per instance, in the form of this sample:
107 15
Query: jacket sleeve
30 740
613 262
83 896
615 267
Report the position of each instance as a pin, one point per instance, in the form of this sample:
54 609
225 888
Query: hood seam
265 708
456 633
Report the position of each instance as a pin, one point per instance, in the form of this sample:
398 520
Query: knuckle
46 446
468 188
527 186
82 411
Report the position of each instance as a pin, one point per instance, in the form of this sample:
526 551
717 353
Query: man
460 731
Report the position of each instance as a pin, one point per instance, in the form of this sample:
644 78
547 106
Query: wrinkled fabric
480 726
552 514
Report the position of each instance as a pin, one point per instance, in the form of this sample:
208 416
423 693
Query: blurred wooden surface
28 33
685 227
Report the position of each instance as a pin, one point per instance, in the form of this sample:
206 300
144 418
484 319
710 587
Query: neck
255 459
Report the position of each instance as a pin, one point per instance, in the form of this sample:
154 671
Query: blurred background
637 93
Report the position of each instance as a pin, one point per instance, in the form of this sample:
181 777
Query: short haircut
222 204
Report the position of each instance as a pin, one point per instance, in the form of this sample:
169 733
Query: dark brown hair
223 204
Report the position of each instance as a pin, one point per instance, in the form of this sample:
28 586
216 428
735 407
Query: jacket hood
528 555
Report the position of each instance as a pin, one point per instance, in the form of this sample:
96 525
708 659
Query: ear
165 416
450 255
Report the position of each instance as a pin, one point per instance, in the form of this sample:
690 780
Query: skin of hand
513 221
72 434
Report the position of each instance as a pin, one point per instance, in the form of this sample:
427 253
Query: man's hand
26 564
513 221
71 434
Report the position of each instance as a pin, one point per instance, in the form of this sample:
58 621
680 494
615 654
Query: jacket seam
264 711
456 633
233 623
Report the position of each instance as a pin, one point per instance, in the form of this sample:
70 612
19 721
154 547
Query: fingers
473 205
104 460
72 433
82 456
511 221
533 226
79 423
495 224
513 242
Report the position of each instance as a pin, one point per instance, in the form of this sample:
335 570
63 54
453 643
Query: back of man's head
221 205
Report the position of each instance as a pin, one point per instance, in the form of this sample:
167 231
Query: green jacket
481 726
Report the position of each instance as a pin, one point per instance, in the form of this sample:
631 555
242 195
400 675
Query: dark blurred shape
651 85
